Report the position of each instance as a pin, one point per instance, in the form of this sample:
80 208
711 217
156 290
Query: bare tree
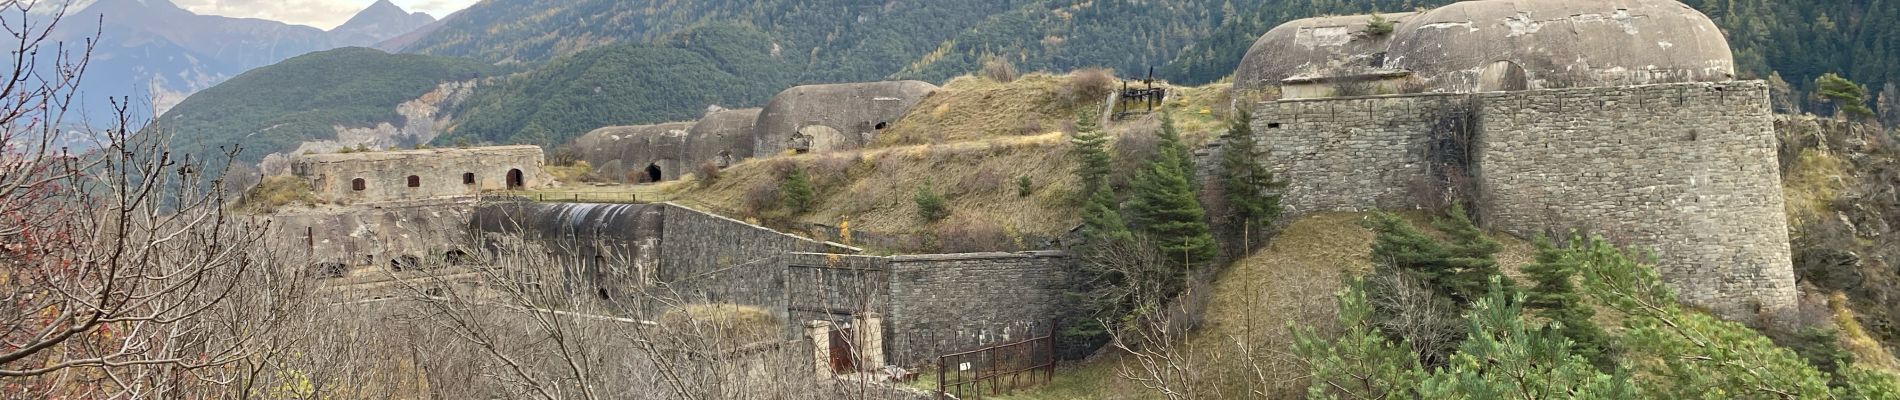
118 266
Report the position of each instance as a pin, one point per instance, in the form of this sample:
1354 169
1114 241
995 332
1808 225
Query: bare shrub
1409 308
565 155
1086 86
970 235
985 179
999 69
1353 88
762 197
1030 127
708 174
120 270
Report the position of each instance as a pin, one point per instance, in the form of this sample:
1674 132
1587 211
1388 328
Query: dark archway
1503 76
468 178
358 184
405 263
653 173
515 180
415 181
458 257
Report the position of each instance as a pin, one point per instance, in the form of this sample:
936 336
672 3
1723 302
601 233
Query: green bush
795 192
1023 188
931 205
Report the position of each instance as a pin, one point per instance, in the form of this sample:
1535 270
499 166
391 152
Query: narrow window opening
415 181
881 125
1273 125
358 184
468 178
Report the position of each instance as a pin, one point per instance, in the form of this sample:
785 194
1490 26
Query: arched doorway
1503 76
653 173
515 180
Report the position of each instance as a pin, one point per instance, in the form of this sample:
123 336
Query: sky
324 14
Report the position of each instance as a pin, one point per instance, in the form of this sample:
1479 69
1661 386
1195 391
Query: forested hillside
272 109
1858 38
625 84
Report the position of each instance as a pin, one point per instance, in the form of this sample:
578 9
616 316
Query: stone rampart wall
944 303
1688 171
1352 154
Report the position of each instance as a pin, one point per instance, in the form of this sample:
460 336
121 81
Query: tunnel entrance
653 173
514 179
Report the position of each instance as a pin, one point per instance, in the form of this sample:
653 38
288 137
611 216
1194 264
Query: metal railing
1000 368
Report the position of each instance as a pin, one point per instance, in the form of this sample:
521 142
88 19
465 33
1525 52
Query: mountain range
157 53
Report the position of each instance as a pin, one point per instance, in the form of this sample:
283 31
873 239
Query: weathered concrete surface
1563 44
1491 45
722 137
834 117
1312 46
420 174
356 237
633 153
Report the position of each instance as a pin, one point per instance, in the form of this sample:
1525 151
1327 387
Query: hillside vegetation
625 84
274 108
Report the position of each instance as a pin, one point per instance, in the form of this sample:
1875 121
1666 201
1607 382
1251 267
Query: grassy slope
1292 279
967 141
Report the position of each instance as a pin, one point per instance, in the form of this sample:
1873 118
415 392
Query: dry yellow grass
970 108
730 323
1811 184
873 188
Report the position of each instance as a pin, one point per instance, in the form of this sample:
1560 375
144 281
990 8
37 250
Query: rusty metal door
842 360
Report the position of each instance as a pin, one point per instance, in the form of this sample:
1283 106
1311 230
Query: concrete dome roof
1311 46
856 111
1562 43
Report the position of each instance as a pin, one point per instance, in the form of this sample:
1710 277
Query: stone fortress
811 118
420 174
1618 118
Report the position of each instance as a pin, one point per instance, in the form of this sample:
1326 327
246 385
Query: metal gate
998 368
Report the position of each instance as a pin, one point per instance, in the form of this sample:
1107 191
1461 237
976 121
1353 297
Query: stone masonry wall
1685 170
388 175
698 242
1352 154
950 302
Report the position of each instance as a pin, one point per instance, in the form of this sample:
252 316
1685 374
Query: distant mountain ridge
153 50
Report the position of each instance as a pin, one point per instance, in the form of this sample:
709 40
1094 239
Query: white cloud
323 14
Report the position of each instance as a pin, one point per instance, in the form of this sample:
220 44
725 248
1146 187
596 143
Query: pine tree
1250 190
795 192
1164 208
1091 152
1554 297
1848 97
1101 216
1470 264
1504 358
1357 362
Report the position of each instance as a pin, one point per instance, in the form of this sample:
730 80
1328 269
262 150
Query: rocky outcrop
423 119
